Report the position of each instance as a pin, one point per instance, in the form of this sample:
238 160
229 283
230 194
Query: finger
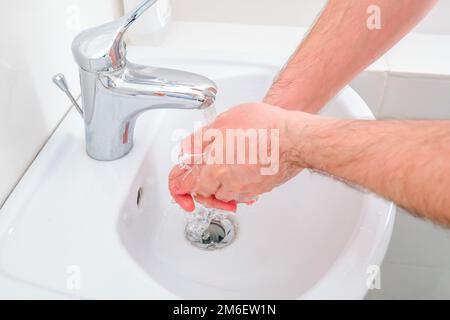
226 195
176 172
247 198
212 202
208 183
182 184
193 147
185 201
223 195
206 188
196 179
183 181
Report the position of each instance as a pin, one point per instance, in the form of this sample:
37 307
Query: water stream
205 227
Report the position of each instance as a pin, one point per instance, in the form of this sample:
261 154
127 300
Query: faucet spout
113 101
160 88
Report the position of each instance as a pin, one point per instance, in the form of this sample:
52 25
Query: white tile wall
437 21
298 13
416 97
417 264
36 38
371 87
421 54
152 27
263 12
419 243
412 282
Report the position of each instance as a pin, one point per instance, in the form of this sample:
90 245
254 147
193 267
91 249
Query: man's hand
404 161
218 180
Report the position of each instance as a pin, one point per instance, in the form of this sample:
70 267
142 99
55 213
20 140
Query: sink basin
76 227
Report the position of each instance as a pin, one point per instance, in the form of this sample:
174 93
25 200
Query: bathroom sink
79 228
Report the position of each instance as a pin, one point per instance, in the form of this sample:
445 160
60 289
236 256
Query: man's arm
407 162
339 46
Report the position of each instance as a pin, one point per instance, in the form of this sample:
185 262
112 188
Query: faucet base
96 157
113 141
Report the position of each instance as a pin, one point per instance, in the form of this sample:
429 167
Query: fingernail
232 206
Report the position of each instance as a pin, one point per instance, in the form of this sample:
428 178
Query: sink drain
219 234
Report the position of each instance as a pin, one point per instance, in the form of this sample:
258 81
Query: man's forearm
404 161
339 46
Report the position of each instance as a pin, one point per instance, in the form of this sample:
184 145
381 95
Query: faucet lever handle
102 49
61 83
134 14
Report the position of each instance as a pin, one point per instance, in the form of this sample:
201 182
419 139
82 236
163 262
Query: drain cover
219 234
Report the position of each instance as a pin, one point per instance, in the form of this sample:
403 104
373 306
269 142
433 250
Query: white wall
35 44
262 12
299 13
437 21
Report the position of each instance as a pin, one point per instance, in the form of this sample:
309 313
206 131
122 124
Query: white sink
72 217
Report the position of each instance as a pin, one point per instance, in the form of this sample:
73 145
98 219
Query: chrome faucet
115 91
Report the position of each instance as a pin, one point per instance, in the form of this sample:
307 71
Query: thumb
181 184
